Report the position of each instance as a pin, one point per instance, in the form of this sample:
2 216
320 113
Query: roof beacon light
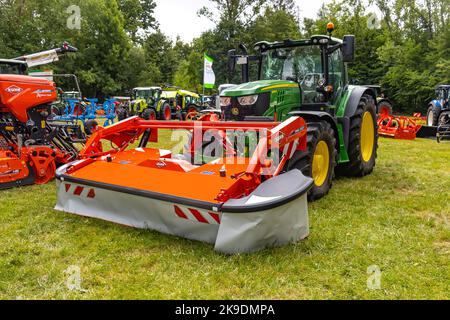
330 27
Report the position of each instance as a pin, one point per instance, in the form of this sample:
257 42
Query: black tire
317 131
444 118
165 108
148 114
55 110
434 113
90 126
357 166
383 106
122 114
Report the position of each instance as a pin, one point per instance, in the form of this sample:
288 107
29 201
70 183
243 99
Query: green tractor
309 78
183 102
148 103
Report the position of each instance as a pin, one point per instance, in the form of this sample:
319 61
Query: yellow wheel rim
320 163
367 136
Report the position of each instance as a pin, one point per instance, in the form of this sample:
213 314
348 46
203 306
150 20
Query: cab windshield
143 94
300 64
6 68
295 64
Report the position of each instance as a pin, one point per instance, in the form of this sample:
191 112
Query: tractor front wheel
122 114
166 112
363 140
320 159
432 116
149 114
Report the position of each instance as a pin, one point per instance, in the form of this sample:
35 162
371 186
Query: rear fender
316 116
355 97
436 104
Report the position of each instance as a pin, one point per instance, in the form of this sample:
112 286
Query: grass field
396 220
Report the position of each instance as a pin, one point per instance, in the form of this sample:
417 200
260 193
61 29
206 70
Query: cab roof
288 43
13 62
147 88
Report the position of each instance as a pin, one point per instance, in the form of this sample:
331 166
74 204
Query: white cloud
179 17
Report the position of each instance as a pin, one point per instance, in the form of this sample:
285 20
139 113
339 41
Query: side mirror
348 49
231 61
243 48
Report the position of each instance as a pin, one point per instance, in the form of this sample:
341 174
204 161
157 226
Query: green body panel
285 97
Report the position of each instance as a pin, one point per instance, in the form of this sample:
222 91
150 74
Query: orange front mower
220 189
397 127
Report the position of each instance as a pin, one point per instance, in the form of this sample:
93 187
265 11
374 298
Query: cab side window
336 71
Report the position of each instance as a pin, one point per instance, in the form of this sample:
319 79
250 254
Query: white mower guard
274 214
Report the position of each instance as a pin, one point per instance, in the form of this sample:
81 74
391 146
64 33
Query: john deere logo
14 89
235 111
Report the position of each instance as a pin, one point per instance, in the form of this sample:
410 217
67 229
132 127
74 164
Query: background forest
121 46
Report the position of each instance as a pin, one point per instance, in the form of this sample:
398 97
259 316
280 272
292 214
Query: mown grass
396 219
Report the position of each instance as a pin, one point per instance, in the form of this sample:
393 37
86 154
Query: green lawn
397 219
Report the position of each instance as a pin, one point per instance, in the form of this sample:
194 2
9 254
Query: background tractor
439 109
309 78
147 102
183 102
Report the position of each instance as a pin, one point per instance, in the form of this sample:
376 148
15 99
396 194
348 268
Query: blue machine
439 105
88 111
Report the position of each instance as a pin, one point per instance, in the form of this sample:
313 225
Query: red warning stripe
180 212
215 216
197 216
79 190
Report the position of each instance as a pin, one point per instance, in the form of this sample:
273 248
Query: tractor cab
305 75
147 93
144 97
443 94
9 66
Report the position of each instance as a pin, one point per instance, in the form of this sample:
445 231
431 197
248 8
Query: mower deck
228 204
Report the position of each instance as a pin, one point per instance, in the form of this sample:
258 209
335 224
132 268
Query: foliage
121 46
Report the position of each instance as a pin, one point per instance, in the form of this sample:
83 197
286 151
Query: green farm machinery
309 78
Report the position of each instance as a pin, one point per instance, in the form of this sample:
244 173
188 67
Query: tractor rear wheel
363 140
320 159
384 107
166 112
432 116
90 126
148 114
444 118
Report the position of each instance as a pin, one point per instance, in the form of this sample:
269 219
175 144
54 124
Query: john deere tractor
308 78
147 103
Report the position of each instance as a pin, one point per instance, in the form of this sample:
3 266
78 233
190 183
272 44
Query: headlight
225 101
247 100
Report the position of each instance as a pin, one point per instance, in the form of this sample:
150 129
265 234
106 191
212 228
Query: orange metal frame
127 167
397 127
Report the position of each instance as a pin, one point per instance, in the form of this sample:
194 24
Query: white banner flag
40 58
209 78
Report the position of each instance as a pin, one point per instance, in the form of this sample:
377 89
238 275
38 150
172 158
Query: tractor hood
257 87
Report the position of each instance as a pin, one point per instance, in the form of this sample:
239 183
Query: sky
179 17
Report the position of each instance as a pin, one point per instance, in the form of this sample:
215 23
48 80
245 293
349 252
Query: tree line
405 47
